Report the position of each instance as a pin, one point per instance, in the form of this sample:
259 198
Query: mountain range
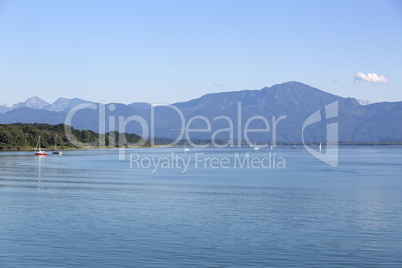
60 105
377 122
34 102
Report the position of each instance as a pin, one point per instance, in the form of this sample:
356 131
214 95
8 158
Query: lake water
88 208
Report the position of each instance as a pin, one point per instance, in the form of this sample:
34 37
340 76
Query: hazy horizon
139 101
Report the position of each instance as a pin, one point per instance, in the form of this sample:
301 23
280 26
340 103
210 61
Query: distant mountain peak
62 104
35 99
3 104
292 84
32 102
4 107
364 102
62 99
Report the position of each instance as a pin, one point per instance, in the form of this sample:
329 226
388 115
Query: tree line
21 136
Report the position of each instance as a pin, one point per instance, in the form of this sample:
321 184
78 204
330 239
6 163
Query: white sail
185 147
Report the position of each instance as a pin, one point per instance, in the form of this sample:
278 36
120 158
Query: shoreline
15 149
20 149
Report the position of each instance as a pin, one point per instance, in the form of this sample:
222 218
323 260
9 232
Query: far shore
22 148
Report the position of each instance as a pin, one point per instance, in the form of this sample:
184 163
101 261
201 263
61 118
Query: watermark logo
330 156
202 161
186 130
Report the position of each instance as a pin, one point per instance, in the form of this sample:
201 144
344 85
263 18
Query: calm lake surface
88 208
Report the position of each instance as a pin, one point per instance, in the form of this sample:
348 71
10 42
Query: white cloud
371 78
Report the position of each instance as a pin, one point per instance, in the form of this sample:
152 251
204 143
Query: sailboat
185 147
294 146
271 146
55 150
320 147
38 151
255 146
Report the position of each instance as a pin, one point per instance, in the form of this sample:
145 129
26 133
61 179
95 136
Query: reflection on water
39 158
86 208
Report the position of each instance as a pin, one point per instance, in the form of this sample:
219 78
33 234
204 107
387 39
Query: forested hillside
25 136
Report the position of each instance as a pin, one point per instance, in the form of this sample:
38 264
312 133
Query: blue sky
170 51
